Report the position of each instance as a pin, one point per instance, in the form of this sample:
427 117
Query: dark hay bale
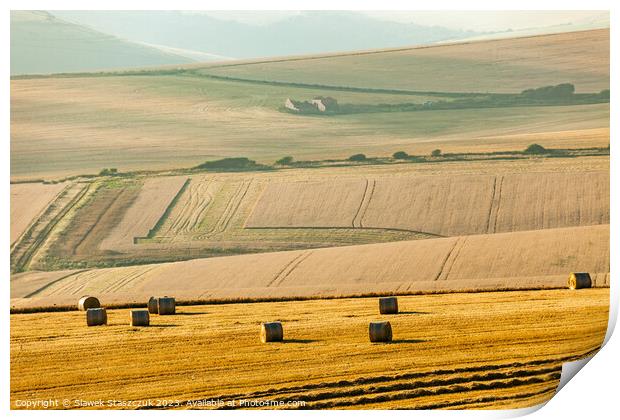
271 331
579 281
152 305
139 318
96 316
88 302
166 306
380 332
388 305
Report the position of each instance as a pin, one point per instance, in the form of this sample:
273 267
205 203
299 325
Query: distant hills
305 33
43 43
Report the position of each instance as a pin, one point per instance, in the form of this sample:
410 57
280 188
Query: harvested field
190 210
28 201
532 201
34 239
93 221
504 65
489 350
151 204
330 203
444 206
517 260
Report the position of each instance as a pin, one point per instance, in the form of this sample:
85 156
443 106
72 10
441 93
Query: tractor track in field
289 268
495 203
369 189
39 231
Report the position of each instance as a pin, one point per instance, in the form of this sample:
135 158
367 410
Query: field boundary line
153 231
293 298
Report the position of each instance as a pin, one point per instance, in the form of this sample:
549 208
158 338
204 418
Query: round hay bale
380 332
166 306
139 318
96 316
579 281
271 331
388 305
152 305
88 302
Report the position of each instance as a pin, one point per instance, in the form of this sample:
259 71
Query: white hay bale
152 305
380 332
166 306
579 281
139 318
88 302
388 305
96 316
271 331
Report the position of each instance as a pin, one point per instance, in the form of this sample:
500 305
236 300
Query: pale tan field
154 198
77 125
506 261
28 201
484 350
29 245
505 65
218 214
444 206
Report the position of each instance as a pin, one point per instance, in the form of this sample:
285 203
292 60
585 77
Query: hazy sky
469 20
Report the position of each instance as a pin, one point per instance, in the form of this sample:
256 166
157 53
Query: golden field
477 241
484 350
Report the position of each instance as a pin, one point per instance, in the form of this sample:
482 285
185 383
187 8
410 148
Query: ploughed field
461 350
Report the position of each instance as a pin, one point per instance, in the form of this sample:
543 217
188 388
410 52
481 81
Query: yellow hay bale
139 318
579 281
166 306
88 302
96 316
380 331
152 305
271 331
388 305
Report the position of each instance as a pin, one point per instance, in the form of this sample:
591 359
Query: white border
591 395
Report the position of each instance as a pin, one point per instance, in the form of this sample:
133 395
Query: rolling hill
173 117
42 44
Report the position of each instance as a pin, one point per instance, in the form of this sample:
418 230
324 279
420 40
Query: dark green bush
535 149
360 157
286 160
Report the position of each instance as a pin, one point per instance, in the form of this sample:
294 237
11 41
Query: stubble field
485 350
